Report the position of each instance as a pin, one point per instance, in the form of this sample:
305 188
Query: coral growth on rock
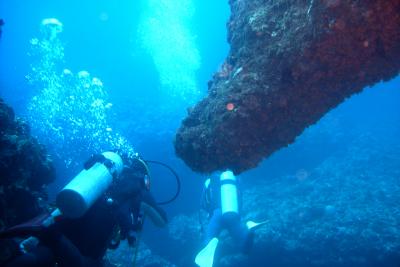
290 63
25 169
126 256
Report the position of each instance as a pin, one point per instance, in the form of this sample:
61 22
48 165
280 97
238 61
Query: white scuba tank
80 194
229 193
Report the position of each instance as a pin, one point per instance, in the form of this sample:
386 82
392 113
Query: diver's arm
205 200
97 158
150 208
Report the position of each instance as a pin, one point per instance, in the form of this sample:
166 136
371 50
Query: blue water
149 97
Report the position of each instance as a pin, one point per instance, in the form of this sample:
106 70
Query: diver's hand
27 245
95 158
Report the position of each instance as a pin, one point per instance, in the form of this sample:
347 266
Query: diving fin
205 258
253 225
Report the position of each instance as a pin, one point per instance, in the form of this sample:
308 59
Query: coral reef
124 257
25 167
290 63
186 229
344 212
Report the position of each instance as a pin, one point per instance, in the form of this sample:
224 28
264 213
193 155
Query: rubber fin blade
253 225
205 258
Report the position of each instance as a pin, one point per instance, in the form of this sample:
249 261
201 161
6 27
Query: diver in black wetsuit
83 241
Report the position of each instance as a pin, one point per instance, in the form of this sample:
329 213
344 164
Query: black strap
227 182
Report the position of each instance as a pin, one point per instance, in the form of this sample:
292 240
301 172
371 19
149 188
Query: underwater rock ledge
290 63
25 168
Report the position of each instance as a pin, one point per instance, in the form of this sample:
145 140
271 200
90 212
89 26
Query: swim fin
205 258
253 225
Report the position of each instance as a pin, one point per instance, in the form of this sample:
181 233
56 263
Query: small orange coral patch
230 106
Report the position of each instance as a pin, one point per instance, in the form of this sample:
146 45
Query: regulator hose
178 181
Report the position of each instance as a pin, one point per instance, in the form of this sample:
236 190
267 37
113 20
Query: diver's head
135 168
138 167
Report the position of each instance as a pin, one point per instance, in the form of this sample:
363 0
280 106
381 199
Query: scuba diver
220 199
105 203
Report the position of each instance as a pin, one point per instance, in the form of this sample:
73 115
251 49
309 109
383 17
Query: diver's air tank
80 194
229 194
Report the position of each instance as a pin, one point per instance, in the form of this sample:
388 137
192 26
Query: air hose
178 181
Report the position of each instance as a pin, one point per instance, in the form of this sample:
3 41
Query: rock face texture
25 170
290 63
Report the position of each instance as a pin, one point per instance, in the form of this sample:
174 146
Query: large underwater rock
290 62
25 170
